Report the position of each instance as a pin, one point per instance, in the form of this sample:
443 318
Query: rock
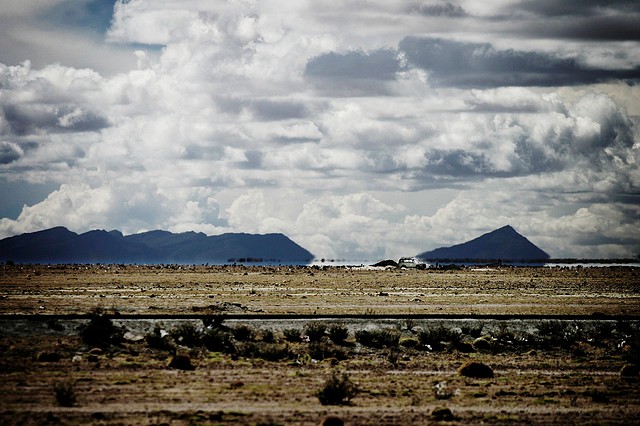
442 414
48 357
132 337
181 362
482 343
408 342
476 370
465 347
630 371
332 421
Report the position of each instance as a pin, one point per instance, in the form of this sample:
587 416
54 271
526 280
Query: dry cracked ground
404 370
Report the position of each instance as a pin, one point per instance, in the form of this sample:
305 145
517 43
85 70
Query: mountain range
503 244
59 245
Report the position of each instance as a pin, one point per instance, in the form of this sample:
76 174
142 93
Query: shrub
315 331
292 334
101 332
381 338
337 390
558 334
410 324
217 340
268 336
338 333
159 339
65 393
187 334
474 329
266 351
243 333
438 337
323 350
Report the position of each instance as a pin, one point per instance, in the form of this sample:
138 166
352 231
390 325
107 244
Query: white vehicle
408 262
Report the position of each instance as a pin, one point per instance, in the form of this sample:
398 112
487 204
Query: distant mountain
59 245
504 244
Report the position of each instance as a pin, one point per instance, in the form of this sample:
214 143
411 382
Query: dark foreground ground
396 372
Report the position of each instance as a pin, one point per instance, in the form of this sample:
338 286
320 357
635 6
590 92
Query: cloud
461 64
439 9
338 125
549 8
378 65
9 152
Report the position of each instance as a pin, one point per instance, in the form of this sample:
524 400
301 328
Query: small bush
474 329
323 350
101 332
410 324
338 333
218 340
438 337
337 390
265 351
187 334
268 336
558 334
315 331
65 393
159 339
292 334
381 338
243 333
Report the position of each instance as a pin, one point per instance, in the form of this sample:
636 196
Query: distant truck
410 262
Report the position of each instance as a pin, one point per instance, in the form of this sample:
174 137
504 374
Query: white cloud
225 129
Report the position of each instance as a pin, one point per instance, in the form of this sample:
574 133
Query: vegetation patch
337 390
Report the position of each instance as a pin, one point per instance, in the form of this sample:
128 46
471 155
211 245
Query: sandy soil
130 381
284 290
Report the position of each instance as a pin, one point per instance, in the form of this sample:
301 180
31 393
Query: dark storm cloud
376 65
549 8
9 152
458 64
30 119
597 28
585 20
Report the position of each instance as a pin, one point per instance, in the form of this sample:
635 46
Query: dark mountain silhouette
59 245
503 244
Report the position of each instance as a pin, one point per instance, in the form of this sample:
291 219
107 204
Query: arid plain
562 345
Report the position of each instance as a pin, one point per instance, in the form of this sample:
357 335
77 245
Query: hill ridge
502 244
60 245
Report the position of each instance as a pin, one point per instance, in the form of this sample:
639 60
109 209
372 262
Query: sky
361 129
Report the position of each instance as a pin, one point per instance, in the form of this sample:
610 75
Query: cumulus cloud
264 117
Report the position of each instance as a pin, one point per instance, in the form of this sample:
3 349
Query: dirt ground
301 290
568 372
